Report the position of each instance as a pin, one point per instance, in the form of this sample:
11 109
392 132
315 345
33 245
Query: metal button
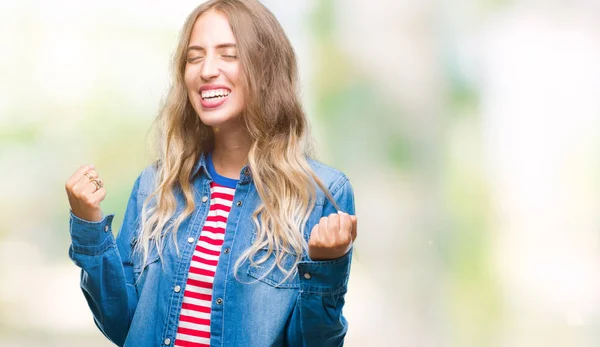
239 203
247 172
167 341
177 289
190 239
227 250
219 301
106 228
205 198
307 276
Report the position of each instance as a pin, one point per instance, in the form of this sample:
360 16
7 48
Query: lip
213 86
208 104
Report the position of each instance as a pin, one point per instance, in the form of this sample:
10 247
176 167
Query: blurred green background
469 130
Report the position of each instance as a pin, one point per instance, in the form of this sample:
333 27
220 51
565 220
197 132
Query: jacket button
106 228
190 239
167 341
239 203
307 276
177 289
227 250
219 301
205 198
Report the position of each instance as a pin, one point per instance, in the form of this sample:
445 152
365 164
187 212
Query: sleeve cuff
90 237
325 277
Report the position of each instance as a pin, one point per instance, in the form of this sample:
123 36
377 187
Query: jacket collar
200 167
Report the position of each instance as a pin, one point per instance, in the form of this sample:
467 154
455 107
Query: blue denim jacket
141 308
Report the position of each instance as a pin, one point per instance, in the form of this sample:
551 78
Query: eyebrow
222 45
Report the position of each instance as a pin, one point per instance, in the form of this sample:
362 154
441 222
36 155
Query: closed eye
194 59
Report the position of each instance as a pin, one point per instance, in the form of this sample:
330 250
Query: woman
234 237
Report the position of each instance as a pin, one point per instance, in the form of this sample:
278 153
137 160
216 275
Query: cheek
188 78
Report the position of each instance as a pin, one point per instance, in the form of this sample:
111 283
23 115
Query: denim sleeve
317 319
107 279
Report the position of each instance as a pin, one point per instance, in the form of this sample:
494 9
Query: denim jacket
255 308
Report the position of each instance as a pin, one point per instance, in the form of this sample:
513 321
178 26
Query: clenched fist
332 237
85 191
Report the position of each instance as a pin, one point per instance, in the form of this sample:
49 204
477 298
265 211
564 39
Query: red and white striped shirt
194 320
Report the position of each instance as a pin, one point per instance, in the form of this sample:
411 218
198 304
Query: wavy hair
278 128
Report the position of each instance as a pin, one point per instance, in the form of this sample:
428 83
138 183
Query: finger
323 224
333 223
84 189
82 182
77 175
85 185
345 224
323 235
314 235
354 227
100 194
91 174
94 186
88 176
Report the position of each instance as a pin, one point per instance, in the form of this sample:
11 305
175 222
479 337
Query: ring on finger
98 183
87 174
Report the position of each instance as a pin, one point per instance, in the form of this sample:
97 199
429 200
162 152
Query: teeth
214 93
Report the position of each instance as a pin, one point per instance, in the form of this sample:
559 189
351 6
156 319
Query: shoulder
146 181
331 177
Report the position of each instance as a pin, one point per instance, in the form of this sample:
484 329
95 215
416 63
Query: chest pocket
138 263
268 272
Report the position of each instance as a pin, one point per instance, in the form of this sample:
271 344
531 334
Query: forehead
210 29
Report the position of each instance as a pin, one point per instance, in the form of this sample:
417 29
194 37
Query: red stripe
212 237
193 332
224 196
215 230
197 308
211 241
204 272
214 184
194 295
207 251
205 261
216 218
184 343
220 207
201 284
194 320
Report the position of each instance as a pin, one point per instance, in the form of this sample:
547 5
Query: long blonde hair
273 117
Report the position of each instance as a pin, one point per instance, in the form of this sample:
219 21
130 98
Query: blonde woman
234 236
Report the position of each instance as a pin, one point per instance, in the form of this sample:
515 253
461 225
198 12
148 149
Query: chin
216 119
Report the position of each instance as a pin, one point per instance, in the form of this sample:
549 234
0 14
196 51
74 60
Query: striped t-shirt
194 319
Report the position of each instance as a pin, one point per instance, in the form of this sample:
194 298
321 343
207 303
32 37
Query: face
213 72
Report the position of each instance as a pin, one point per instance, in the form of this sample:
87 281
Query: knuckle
347 239
89 200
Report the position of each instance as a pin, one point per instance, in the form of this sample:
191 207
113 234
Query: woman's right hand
85 191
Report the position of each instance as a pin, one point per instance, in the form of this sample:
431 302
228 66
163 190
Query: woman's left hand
332 237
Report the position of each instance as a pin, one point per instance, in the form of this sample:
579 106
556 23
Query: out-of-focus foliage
468 129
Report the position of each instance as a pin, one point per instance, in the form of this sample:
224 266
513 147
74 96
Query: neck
230 154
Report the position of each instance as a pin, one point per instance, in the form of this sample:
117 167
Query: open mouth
214 94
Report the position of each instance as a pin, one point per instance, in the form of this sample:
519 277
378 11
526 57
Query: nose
209 68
